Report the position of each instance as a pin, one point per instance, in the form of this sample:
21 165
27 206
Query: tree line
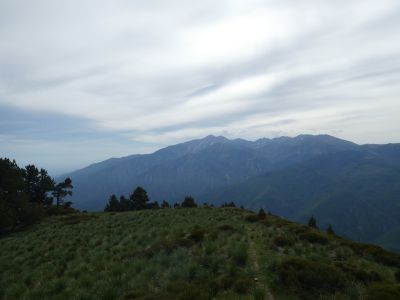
139 200
28 194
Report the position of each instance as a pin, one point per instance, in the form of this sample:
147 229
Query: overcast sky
82 81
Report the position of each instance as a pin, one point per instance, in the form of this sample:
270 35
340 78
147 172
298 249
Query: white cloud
167 71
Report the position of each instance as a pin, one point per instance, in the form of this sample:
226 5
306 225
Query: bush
167 246
308 279
224 283
384 292
314 237
226 227
283 241
59 210
77 218
397 275
239 255
197 235
185 291
243 285
343 253
377 253
358 274
252 218
258 294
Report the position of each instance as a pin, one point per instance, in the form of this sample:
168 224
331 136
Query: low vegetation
189 253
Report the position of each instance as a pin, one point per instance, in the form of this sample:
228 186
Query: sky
82 81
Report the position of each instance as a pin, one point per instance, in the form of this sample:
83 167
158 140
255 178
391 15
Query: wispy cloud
144 74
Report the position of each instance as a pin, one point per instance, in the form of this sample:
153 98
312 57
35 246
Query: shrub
397 275
358 274
243 285
181 290
252 218
377 253
167 246
224 282
258 294
384 292
226 227
297 228
267 222
283 241
308 279
60 210
314 237
197 235
239 255
77 218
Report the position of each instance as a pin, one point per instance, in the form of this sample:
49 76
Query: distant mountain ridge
194 167
354 187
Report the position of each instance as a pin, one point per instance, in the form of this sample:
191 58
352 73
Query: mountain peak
213 138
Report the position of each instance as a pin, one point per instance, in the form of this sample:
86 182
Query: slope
357 192
199 253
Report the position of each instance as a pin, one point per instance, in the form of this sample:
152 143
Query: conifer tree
165 204
312 222
261 213
189 202
139 198
62 189
125 204
113 204
330 230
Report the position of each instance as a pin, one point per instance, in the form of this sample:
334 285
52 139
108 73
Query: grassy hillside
197 253
358 194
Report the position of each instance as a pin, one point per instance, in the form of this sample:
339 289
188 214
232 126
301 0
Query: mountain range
355 188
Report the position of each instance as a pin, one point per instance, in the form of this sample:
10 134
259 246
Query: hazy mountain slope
195 167
357 192
390 240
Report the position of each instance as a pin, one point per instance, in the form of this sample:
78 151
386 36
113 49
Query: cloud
145 74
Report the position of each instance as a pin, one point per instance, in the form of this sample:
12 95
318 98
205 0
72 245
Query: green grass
200 253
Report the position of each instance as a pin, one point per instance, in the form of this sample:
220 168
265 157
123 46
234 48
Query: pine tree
62 189
165 204
153 205
125 204
113 204
261 213
330 230
38 184
189 202
139 198
312 222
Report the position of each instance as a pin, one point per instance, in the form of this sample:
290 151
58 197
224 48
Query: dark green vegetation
189 253
358 193
140 201
355 188
26 195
